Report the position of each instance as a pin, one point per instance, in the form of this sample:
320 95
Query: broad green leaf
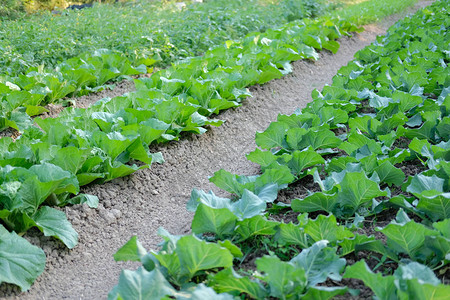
227 281
429 184
443 227
443 128
262 158
232 247
280 175
137 151
81 77
170 86
415 121
304 159
294 136
357 141
333 116
107 121
284 279
272 137
426 131
398 156
357 190
19 221
256 225
316 202
416 290
333 46
348 245
209 199
326 228
300 119
131 251
34 110
407 101
21 262
202 292
416 281
323 292
18 119
388 139
313 41
170 240
196 255
220 221
86 178
379 102
440 246
390 124
152 129
227 181
382 286
54 223
436 207
268 193
414 270
375 245
390 174
363 123
319 139
268 73
141 284
113 143
90 200
49 179
320 262
117 169
408 237
171 111
368 163
248 206
417 145
47 173
171 262
291 234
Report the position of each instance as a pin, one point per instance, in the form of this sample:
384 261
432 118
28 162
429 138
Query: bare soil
148 199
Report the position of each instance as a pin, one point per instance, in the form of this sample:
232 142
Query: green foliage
372 11
388 108
354 170
20 261
183 257
410 281
60 56
168 35
11 9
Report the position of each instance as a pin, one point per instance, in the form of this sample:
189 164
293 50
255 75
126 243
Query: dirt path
151 198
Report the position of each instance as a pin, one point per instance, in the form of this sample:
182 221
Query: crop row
45 63
46 166
375 144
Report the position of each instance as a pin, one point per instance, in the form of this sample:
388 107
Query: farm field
147 199
355 182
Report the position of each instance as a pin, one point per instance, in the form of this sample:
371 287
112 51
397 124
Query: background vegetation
141 30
